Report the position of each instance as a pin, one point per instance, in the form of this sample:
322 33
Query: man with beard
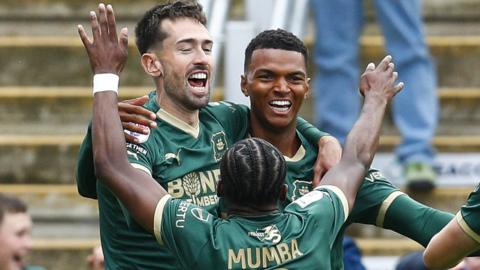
252 178
184 151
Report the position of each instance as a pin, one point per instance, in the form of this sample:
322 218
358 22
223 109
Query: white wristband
105 82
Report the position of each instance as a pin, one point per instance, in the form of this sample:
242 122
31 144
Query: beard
178 89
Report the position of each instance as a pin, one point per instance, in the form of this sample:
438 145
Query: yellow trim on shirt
341 196
382 212
463 224
141 167
157 220
299 155
176 122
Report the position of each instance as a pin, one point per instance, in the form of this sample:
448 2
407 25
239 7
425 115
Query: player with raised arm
183 153
203 241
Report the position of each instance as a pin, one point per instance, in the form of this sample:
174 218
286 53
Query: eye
265 77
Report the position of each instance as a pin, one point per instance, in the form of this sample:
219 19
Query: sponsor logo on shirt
374 175
200 214
196 187
309 198
269 234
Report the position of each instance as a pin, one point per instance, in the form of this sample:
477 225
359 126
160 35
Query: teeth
280 103
198 76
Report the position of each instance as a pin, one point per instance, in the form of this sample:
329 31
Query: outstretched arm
448 247
107 54
362 141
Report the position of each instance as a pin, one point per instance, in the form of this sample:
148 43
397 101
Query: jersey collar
298 155
176 122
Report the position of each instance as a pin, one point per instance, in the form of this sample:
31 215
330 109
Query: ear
243 84
307 85
220 190
151 64
283 193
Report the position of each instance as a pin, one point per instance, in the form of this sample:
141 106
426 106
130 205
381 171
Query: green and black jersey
184 160
378 203
300 237
469 215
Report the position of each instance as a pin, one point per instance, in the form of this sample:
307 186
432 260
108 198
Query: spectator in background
15 234
96 261
338 28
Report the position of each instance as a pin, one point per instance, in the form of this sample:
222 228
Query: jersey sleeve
142 156
469 215
373 199
414 220
86 179
234 118
324 203
183 228
311 133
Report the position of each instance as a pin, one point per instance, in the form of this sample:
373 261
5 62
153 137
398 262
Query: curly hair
147 30
275 39
253 172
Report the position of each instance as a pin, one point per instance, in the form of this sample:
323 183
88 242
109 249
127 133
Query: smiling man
15 234
184 151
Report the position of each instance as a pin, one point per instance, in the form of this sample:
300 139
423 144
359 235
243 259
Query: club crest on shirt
269 234
219 145
300 188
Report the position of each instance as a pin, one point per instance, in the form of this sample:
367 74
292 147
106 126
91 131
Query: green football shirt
469 215
300 237
184 160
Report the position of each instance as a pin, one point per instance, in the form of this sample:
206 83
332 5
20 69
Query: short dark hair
275 39
11 205
147 31
253 172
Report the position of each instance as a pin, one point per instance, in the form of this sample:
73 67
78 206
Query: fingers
111 25
385 62
127 109
95 27
102 16
398 87
137 101
370 67
134 127
83 36
137 120
129 138
124 37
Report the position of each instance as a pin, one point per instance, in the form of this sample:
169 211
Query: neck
284 139
188 116
252 211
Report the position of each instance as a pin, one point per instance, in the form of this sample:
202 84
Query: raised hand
107 51
380 80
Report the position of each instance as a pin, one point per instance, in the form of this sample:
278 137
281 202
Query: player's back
300 237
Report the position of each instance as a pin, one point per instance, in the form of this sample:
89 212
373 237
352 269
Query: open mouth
18 259
198 80
280 105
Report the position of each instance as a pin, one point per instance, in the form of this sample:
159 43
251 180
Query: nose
27 243
202 58
281 86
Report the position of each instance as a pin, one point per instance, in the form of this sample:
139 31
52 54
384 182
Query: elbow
103 166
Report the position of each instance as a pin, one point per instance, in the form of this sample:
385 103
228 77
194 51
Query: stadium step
68 64
67 110
30 152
